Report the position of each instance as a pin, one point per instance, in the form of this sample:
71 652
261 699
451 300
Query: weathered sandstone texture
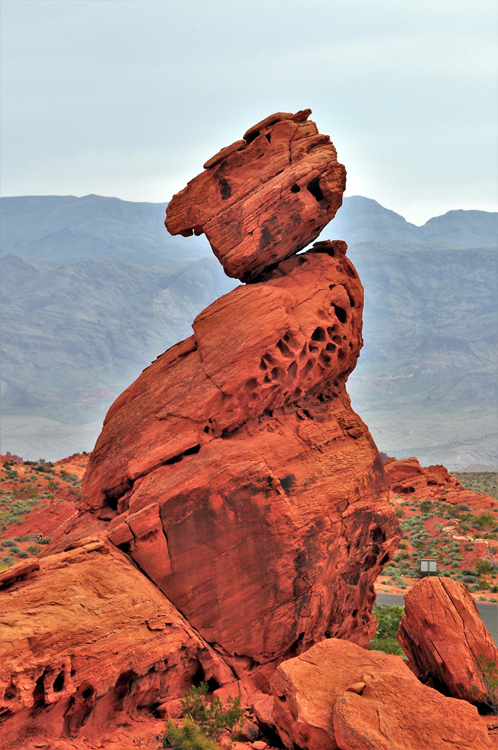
239 479
235 509
442 634
407 477
265 197
86 638
337 695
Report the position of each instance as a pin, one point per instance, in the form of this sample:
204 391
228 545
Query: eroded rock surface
265 197
239 479
407 477
442 634
337 695
87 638
231 483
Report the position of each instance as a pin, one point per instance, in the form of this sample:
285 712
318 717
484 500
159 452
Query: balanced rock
265 197
235 509
445 639
337 695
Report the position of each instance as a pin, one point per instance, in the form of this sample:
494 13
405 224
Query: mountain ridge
77 332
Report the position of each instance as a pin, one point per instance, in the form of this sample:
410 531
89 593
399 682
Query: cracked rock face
236 475
265 197
443 635
234 503
103 642
337 695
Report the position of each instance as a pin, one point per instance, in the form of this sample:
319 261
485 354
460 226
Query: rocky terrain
235 514
443 521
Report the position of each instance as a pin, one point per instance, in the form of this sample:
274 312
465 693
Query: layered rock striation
234 471
406 476
232 477
446 641
264 197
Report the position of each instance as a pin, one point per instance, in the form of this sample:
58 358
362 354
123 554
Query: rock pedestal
232 478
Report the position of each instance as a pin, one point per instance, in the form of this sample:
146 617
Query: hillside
93 289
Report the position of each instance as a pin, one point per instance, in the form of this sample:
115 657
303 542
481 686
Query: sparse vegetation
489 676
211 716
27 487
187 737
481 481
388 619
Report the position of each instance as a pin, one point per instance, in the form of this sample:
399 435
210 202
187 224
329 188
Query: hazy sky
129 97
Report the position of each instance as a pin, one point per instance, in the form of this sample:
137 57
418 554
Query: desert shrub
388 619
425 506
47 540
489 675
469 579
482 567
22 554
485 519
8 560
400 513
386 646
8 543
464 507
211 716
187 737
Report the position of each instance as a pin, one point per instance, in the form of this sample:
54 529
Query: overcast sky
128 98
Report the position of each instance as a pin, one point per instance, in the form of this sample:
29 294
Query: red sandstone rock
265 197
87 640
399 713
255 349
239 478
338 695
442 634
233 473
407 477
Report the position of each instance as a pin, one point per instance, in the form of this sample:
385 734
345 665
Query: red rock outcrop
84 638
265 197
337 695
241 489
239 479
407 477
443 636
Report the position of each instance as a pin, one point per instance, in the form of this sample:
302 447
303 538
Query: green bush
482 567
187 737
386 646
211 716
489 676
485 519
388 619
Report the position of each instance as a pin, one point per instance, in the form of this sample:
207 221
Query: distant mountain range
94 288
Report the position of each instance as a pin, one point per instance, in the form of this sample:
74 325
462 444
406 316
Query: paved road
488 612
